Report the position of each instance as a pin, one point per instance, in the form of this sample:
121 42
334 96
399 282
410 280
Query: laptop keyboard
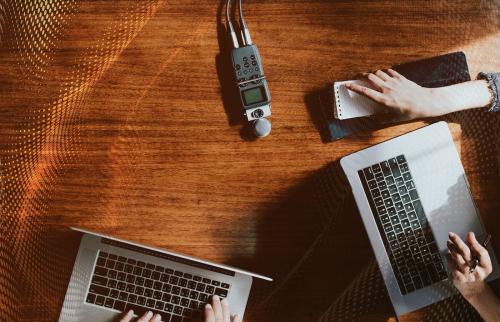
124 284
403 225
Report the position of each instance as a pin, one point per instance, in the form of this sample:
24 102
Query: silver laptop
111 276
411 191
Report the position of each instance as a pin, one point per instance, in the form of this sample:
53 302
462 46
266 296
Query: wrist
439 99
474 294
459 97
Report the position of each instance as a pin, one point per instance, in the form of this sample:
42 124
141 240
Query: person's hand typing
460 255
147 317
219 311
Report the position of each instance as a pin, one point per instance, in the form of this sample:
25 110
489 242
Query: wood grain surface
119 116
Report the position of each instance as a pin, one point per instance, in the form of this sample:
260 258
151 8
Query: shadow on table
319 104
313 243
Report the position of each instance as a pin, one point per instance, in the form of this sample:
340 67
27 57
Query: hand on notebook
408 99
219 311
460 256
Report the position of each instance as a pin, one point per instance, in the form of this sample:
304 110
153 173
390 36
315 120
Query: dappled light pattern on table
43 139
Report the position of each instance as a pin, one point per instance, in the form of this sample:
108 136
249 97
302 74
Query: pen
475 260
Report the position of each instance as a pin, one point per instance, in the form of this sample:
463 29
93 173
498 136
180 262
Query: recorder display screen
254 95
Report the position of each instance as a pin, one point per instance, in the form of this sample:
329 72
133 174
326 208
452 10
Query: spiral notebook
349 104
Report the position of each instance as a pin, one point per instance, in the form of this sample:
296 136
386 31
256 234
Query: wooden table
118 116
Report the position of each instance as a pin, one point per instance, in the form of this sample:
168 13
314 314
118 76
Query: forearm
463 96
486 303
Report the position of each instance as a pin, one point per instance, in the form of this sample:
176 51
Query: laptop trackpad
457 214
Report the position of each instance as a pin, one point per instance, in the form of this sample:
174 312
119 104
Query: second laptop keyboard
402 223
